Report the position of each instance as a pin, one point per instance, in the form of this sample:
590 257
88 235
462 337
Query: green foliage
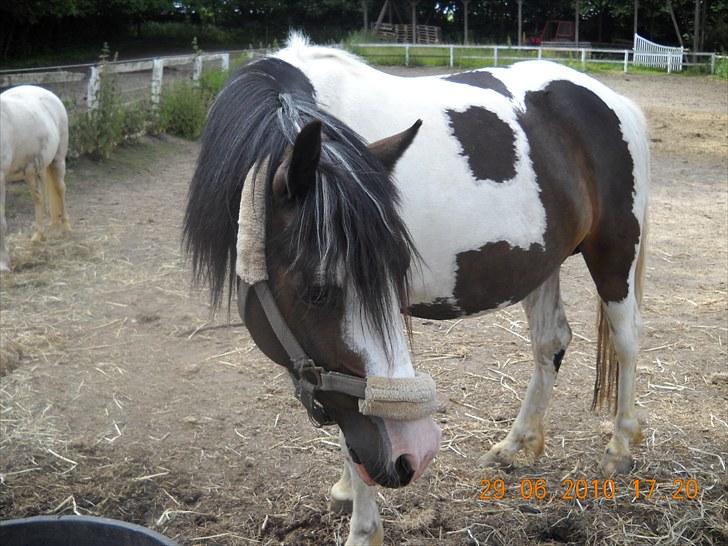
183 109
212 82
721 69
97 132
100 130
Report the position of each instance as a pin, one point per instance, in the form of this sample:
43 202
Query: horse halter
400 398
404 398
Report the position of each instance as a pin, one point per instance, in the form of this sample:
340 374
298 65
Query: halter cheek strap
306 376
399 398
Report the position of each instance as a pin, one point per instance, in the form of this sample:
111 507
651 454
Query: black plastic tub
77 531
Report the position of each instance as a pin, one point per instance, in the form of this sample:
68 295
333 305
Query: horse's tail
607 378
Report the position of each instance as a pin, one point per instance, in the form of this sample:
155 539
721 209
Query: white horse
33 147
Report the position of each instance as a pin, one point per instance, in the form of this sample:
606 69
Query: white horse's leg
4 256
365 528
625 326
34 177
550 336
56 191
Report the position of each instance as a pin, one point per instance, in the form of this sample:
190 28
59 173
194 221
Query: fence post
451 56
626 59
495 55
92 91
540 52
157 71
406 55
669 62
225 61
197 70
583 59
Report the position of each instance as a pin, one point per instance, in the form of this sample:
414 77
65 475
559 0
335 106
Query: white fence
647 53
497 55
143 79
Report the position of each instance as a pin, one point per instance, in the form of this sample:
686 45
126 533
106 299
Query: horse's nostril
404 470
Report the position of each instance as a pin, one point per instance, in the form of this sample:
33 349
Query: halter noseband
394 398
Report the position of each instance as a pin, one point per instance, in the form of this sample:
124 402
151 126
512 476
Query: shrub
100 130
212 81
721 69
136 121
183 109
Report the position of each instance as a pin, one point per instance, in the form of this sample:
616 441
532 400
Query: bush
721 69
183 109
212 82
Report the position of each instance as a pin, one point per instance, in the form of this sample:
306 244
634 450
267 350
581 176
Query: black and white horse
511 172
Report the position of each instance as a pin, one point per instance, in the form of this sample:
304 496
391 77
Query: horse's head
337 257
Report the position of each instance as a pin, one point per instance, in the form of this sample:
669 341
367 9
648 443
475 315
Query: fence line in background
668 59
78 74
90 73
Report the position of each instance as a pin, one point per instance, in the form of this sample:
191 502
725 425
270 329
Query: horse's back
34 129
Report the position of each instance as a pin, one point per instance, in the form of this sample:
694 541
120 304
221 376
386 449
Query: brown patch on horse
487 142
578 118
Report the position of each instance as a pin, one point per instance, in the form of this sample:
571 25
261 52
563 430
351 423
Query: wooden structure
404 33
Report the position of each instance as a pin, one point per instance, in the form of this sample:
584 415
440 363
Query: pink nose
414 445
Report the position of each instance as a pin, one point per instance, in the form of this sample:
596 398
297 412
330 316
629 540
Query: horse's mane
299 46
347 225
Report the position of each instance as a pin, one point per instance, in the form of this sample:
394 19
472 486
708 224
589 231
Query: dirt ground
115 402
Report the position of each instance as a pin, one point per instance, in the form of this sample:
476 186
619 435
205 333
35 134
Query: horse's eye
315 295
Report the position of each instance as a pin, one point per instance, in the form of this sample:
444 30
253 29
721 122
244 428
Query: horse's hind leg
620 323
33 177
624 328
550 336
4 256
56 191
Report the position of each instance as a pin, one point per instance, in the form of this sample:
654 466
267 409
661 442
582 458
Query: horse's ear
390 149
305 157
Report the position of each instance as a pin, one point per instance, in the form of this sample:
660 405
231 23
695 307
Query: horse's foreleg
550 336
365 528
56 191
342 495
625 325
33 176
4 256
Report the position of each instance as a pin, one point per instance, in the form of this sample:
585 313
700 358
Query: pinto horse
511 172
33 147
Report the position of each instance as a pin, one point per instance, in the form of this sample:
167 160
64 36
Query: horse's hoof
367 539
341 506
614 465
496 457
37 237
58 231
